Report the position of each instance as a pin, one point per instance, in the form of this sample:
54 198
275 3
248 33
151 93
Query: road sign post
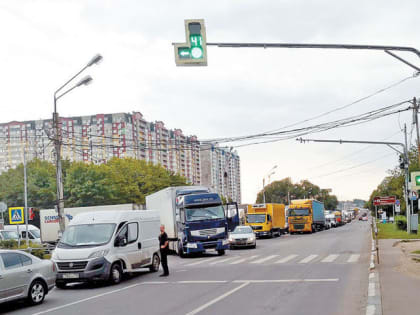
17 216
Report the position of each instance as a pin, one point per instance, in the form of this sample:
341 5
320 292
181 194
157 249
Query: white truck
49 218
194 219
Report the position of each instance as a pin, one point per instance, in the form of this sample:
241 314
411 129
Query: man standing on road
164 249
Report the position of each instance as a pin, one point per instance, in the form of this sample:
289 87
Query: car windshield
35 233
242 230
255 218
298 212
88 234
9 235
204 213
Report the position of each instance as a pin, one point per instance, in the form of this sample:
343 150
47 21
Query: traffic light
415 180
194 51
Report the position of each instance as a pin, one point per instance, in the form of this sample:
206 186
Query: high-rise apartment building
220 170
98 138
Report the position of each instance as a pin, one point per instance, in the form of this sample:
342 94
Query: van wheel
36 292
115 274
60 284
155 263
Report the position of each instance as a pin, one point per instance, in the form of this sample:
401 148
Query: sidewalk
400 288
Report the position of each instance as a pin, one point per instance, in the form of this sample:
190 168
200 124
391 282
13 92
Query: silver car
24 276
242 236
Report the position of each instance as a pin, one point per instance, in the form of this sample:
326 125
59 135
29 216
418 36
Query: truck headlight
99 253
54 256
225 242
191 245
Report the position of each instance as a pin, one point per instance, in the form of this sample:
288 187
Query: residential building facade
98 138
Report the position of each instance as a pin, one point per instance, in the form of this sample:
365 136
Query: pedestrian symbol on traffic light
194 51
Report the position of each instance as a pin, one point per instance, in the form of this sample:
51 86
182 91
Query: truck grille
256 227
207 232
299 226
72 265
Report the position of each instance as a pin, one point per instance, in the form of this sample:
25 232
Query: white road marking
197 310
353 258
155 282
286 259
201 281
201 261
371 290
243 260
87 299
370 310
221 260
286 280
308 259
330 258
260 261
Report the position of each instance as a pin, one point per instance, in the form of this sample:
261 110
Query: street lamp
270 173
57 134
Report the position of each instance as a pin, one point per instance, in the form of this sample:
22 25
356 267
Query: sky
242 91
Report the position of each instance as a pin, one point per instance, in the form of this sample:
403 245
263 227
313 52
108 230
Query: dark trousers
164 261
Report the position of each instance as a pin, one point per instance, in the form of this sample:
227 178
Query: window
133 232
25 260
11 260
24 235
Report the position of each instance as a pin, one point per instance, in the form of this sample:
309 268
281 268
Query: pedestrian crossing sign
16 215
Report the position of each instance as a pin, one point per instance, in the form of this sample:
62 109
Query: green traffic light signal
418 180
194 51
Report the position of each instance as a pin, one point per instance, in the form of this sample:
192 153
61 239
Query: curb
374 300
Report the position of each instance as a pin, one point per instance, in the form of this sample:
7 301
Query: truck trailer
267 219
194 219
306 215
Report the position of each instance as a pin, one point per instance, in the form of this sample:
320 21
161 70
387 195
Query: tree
279 191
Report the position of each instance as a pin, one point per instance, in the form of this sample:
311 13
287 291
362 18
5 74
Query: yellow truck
306 215
266 219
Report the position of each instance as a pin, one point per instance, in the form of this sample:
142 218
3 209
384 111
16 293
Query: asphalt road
323 273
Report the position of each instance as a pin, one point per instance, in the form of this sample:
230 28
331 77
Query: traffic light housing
415 180
194 51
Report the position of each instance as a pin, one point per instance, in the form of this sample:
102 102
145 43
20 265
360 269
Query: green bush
35 249
401 222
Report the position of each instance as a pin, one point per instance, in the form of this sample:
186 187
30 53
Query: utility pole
407 190
416 121
26 194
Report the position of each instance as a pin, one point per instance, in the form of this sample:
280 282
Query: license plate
70 275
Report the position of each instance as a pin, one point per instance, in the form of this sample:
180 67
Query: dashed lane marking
286 259
308 259
330 258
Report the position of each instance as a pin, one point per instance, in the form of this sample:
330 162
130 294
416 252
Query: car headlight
54 256
230 239
251 238
99 253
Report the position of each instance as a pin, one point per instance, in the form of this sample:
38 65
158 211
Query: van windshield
88 234
35 233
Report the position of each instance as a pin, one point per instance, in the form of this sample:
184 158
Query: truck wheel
181 252
115 274
221 252
271 234
155 263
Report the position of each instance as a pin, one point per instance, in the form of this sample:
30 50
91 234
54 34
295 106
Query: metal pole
416 121
26 195
406 161
393 213
59 174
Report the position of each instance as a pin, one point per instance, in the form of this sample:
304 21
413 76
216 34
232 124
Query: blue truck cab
194 219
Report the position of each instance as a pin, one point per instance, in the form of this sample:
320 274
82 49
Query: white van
103 245
34 233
